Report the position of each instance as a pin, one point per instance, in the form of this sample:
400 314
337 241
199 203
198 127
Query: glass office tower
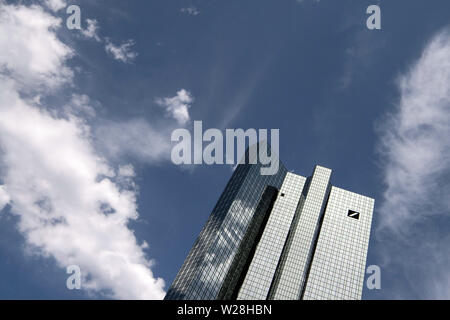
283 236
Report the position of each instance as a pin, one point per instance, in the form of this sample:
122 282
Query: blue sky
373 105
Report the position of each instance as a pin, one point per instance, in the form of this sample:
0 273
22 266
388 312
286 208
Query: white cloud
121 52
416 140
126 171
416 153
73 206
133 139
178 106
55 5
79 105
60 187
36 60
191 10
91 30
4 197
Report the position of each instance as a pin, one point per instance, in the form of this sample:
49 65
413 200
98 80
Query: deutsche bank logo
353 214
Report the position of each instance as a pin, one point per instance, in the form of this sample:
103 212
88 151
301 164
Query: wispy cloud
191 10
4 198
178 106
122 52
74 206
91 30
150 141
360 55
415 146
134 139
55 5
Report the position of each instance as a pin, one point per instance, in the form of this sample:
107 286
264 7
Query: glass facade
279 237
268 252
204 270
295 261
337 270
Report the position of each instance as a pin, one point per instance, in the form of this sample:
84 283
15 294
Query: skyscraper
283 236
